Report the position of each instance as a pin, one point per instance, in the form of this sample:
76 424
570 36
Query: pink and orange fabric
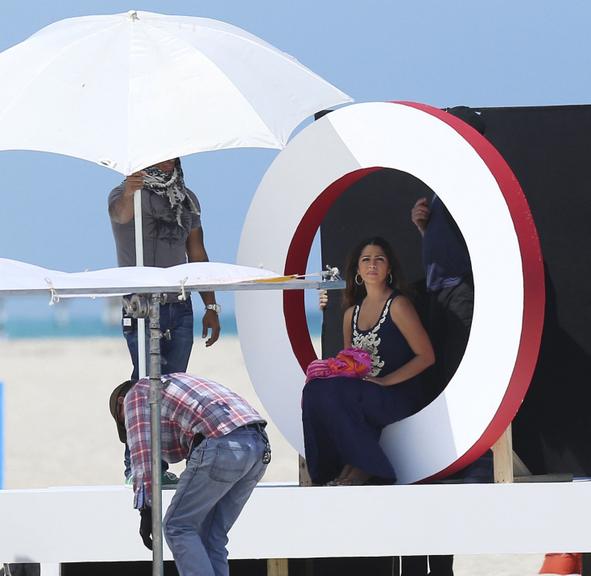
351 363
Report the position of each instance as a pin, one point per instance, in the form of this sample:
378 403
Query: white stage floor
99 524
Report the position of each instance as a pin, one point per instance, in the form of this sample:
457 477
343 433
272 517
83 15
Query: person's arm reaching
137 425
420 214
196 253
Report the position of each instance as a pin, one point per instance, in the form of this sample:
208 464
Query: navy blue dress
343 417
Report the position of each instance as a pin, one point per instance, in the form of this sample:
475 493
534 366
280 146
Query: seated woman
343 417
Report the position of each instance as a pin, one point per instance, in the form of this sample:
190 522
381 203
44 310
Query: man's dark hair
119 392
469 116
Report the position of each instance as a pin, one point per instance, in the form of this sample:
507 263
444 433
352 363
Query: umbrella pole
155 404
155 390
139 261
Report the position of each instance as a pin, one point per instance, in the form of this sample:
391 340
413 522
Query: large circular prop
485 199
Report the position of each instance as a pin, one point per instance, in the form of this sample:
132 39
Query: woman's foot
344 473
355 477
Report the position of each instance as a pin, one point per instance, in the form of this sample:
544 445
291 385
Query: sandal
344 473
356 477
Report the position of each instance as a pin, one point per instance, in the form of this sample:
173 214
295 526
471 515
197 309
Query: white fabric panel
18 276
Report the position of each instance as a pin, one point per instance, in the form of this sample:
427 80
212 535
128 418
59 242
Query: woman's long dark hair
354 293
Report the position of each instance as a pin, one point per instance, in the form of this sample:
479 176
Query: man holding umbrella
172 234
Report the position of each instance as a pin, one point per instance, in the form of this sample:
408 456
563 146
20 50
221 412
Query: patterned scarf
172 186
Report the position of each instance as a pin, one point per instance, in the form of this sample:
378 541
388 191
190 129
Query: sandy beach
56 403
58 430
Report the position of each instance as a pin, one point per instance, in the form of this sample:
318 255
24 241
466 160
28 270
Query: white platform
99 524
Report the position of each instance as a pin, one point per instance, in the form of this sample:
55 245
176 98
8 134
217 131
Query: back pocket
229 464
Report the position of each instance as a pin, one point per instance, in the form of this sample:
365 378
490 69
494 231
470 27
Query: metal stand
142 306
155 403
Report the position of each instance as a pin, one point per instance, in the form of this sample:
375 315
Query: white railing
93 524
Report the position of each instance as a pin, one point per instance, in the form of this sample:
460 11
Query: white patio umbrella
132 89
129 90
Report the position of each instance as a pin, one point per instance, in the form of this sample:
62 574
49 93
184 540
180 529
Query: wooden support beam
277 567
503 457
304 476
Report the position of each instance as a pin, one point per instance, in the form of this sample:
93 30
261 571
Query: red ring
534 292
297 259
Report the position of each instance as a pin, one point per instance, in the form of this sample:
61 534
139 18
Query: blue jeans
220 476
176 325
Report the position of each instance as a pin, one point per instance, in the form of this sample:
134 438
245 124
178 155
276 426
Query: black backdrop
548 150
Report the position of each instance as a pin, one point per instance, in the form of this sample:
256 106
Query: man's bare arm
196 253
121 209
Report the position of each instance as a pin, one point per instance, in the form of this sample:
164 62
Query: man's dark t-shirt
164 240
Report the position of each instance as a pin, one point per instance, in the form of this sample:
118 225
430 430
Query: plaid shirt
190 405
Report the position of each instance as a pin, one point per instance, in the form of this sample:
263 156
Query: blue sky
495 53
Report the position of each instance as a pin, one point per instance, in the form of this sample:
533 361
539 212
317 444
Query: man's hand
211 322
420 214
134 182
121 210
146 527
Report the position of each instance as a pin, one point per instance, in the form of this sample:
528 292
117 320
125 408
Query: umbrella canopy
129 90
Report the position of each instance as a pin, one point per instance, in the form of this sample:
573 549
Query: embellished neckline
379 321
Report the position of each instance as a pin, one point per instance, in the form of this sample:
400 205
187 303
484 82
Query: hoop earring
360 282
391 280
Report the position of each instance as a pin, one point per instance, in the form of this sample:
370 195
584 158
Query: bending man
227 450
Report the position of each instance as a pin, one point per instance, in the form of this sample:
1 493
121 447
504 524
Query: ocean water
14 327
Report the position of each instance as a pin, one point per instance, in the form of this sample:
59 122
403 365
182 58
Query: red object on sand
563 564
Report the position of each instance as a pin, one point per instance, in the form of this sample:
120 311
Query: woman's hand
375 380
322 299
